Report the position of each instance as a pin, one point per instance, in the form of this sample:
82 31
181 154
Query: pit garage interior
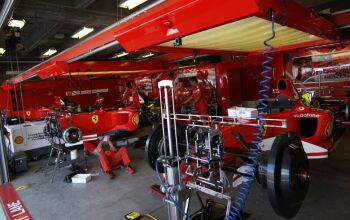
175 109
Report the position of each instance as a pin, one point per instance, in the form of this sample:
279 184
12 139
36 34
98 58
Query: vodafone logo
306 115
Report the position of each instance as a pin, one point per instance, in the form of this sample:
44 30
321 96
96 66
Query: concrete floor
328 197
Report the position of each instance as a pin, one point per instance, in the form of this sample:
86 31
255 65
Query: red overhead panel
100 66
185 18
342 19
192 16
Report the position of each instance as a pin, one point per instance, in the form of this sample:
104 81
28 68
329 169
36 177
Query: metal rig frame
208 153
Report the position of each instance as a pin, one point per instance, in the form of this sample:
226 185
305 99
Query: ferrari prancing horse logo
94 119
28 113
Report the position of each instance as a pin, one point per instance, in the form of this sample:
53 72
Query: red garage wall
5 95
40 94
238 80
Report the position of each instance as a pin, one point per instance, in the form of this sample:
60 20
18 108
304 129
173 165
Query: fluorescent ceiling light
121 54
16 23
82 32
147 55
130 4
50 52
2 51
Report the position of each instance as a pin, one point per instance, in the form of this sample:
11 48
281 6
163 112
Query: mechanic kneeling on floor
109 156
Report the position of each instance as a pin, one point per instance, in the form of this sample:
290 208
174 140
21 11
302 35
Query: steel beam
6 12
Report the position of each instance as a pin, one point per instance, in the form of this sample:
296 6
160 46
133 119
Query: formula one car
88 126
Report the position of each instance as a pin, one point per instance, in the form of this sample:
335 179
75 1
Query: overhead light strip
121 54
17 23
130 4
49 52
2 51
82 32
147 55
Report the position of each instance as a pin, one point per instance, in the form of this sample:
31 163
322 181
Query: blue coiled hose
245 187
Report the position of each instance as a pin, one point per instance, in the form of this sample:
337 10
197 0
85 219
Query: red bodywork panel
313 126
29 114
182 18
320 136
101 122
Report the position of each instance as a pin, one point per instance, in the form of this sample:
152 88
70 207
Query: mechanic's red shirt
99 102
131 96
181 95
136 99
201 106
126 96
57 102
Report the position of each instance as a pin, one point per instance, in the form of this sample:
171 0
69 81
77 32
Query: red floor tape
12 204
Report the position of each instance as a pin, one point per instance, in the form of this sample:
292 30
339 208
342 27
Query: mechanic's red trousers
110 159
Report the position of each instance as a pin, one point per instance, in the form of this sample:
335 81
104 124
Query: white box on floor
81 178
242 112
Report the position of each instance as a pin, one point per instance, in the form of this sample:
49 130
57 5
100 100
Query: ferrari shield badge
28 113
94 119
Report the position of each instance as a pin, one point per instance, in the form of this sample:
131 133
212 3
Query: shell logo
19 140
28 113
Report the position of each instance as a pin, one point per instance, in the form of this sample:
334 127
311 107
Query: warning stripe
12 204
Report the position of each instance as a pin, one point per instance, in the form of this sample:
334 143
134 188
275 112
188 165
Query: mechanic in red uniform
57 105
109 158
198 97
99 100
181 93
131 97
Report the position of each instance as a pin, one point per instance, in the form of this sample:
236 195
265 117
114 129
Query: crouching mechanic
109 156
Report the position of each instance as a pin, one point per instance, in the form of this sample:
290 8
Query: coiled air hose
245 188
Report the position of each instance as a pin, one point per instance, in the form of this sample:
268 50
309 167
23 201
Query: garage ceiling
50 24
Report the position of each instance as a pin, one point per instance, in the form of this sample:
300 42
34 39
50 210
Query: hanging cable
246 186
16 100
14 86
20 90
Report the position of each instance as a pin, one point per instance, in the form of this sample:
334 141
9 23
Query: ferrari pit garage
174 109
